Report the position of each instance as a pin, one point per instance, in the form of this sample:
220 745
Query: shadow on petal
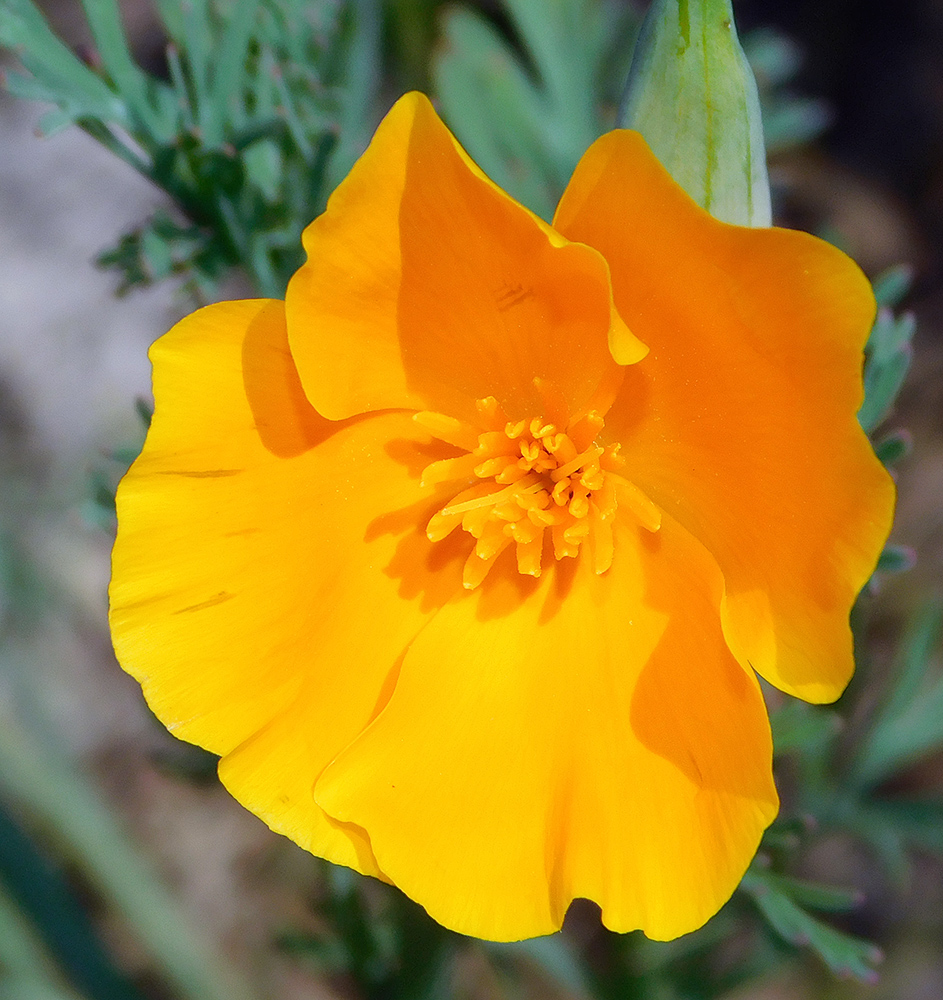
430 569
416 455
287 424
631 407
564 573
707 716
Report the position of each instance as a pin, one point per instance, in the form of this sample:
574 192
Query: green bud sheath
692 95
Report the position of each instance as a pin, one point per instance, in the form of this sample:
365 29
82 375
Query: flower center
528 479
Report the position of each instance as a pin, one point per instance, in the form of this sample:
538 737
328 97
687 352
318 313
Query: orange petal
253 595
427 287
579 735
741 422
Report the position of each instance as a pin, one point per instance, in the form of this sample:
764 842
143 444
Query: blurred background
128 872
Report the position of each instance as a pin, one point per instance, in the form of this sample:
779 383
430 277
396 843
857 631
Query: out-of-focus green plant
539 104
535 108
48 809
789 119
888 351
263 107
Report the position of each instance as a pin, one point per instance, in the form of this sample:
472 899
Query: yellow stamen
477 521
585 430
558 488
579 505
449 469
561 447
529 556
494 539
491 413
601 538
476 568
512 473
576 463
539 429
490 499
647 513
562 547
491 467
448 429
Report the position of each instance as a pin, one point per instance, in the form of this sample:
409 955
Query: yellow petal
741 422
255 592
428 287
579 735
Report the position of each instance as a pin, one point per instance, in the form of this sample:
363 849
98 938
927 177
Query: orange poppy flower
464 557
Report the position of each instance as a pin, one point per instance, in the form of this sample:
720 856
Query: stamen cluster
529 478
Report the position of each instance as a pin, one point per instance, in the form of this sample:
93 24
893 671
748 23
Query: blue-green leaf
894 448
888 356
843 954
892 285
910 724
